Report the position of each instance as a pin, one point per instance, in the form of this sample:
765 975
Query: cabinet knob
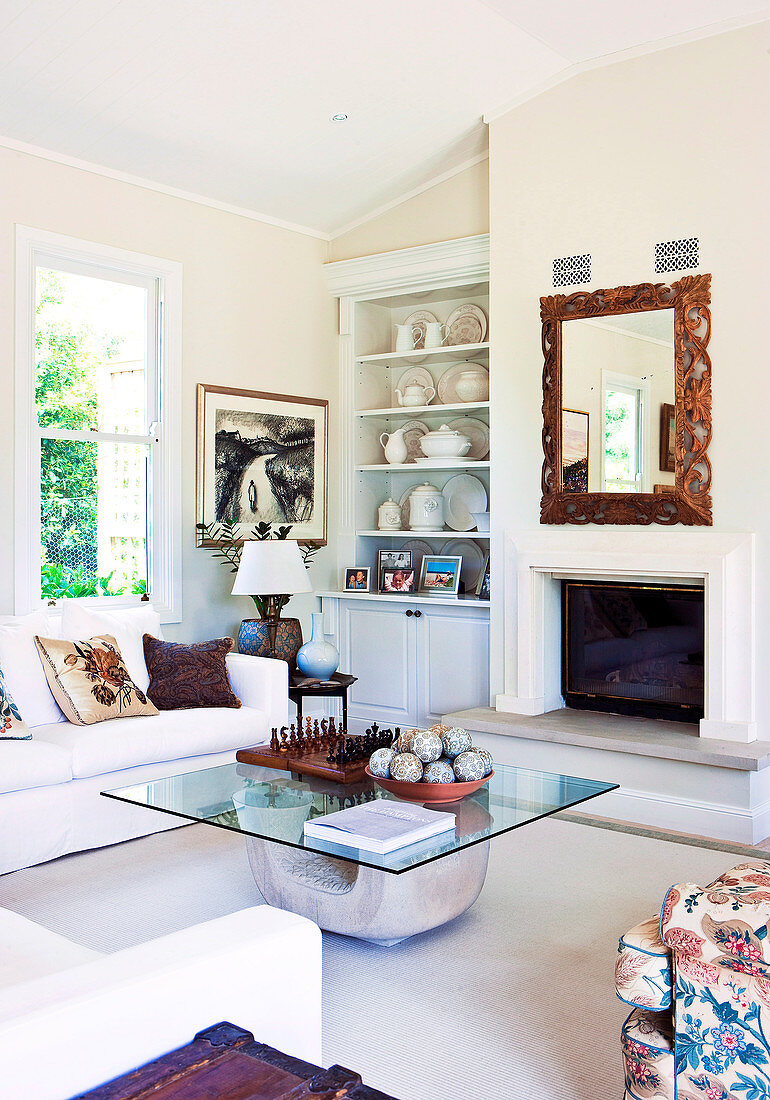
409 613
417 614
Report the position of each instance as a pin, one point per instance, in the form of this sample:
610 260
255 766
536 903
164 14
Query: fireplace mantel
534 563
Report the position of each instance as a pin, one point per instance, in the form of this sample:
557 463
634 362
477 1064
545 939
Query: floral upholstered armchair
698 978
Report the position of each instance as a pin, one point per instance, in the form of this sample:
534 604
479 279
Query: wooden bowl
429 792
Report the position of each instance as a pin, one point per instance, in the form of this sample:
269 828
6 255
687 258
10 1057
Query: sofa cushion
25 764
27 950
23 671
643 967
90 681
193 675
647 1045
127 625
12 725
170 735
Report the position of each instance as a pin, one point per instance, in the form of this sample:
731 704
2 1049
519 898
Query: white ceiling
231 99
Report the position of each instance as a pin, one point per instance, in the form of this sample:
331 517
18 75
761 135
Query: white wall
657 148
256 315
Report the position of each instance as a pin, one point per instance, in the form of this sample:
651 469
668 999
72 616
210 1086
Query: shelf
422 410
423 534
407 598
432 355
437 465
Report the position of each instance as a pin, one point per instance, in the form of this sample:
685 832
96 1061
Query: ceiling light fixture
339 118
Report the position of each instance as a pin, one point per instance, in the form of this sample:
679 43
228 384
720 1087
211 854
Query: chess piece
274 739
284 735
293 738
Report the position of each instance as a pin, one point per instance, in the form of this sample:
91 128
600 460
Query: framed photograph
440 574
397 582
357 578
574 451
667 438
262 457
482 584
392 559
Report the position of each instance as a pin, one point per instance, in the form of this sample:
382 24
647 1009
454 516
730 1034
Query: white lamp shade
272 567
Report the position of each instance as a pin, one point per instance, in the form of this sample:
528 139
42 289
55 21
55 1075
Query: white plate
414 430
419 548
466 325
447 394
413 376
473 560
463 494
478 433
444 461
420 318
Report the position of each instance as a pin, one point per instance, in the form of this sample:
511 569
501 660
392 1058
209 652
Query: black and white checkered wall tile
676 255
572 270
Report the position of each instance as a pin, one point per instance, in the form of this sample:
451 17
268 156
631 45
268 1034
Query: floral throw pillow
89 680
12 725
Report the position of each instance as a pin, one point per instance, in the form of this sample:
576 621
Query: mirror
627 405
617 388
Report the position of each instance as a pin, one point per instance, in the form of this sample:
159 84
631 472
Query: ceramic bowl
429 792
482 520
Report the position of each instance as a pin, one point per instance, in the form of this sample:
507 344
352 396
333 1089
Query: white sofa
71 1018
50 802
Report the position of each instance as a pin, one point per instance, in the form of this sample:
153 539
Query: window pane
94 518
90 353
621 433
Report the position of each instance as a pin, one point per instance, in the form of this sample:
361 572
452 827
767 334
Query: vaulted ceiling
233 99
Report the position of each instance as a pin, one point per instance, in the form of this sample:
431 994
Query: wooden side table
225 1061
335 688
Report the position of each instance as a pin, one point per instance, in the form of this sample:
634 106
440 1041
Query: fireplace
633 649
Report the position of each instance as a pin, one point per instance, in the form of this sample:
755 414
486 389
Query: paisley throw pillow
12 725
89 680
192 675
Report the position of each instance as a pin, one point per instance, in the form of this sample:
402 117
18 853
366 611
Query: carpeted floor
512 1001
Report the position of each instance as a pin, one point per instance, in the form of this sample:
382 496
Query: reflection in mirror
617 390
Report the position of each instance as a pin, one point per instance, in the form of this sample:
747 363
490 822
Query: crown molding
446 263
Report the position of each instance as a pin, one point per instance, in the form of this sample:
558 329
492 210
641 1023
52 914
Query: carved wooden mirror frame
690 499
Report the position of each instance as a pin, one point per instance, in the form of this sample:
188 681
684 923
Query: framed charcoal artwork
262 457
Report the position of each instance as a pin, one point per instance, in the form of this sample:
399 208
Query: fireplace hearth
635 649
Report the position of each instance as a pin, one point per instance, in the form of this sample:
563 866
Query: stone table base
361 901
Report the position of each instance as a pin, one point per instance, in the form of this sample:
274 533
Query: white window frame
640 388
36 247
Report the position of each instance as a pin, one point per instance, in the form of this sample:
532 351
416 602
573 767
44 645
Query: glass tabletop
274 805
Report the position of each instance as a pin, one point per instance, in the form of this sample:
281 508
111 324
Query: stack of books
382 826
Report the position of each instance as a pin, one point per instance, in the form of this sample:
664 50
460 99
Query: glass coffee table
381 898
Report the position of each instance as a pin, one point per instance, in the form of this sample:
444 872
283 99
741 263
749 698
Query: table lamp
270 571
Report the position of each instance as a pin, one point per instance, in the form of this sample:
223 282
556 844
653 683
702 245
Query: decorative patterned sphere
403 742
439 771
455 741
379 762
426 746
406 768
487 758
440 729
468 765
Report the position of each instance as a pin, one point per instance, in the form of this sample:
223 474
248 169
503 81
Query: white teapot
414 394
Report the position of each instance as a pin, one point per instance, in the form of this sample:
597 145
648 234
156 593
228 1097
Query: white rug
512 1001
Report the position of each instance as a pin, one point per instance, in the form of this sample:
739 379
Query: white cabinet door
452 661
377 644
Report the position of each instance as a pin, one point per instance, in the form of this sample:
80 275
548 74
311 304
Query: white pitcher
394 445
407 337
435 334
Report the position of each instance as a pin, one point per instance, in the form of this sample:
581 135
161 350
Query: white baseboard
743 732
686 815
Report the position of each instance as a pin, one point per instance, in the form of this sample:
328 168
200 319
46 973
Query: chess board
319 748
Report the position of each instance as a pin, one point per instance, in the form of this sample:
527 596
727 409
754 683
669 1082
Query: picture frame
574 450
262 457
357 578
398 582
392 559
440 575
667 438
482 584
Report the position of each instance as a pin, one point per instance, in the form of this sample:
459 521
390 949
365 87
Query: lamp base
278 638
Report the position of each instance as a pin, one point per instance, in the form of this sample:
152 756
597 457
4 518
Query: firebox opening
633 649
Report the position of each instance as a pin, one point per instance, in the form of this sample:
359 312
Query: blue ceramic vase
318 657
